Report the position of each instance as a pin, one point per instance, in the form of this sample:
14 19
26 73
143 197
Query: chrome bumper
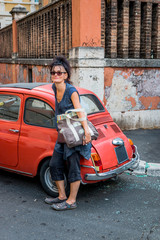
113 173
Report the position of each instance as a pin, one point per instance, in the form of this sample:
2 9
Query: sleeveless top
60 108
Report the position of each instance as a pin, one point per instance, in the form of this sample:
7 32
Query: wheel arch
41 163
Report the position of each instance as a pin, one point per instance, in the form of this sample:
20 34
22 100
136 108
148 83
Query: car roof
38 86
29 86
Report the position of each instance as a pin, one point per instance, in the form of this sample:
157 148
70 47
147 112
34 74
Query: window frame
98 102
41 100
19 109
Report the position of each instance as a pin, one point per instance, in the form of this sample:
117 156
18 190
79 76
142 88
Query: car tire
47 183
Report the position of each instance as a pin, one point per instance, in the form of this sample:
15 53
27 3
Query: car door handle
14 130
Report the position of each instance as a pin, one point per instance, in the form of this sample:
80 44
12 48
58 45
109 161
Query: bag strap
73 111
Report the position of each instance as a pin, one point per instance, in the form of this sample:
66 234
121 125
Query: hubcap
50 183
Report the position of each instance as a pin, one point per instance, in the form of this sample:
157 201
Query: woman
66 97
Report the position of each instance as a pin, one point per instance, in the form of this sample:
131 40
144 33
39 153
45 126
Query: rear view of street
123 209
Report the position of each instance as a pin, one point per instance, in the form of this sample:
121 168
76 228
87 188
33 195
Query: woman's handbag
70 129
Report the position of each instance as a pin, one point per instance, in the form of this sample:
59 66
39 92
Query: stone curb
153 169
148 169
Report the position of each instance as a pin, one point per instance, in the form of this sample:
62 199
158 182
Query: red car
28 135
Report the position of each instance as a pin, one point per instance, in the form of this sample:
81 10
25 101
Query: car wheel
47 183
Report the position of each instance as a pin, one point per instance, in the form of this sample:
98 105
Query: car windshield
91 104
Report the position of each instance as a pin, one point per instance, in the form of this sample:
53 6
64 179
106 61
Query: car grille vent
101 120
115 128
101 134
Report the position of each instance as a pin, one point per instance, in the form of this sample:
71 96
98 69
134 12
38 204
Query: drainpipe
17 13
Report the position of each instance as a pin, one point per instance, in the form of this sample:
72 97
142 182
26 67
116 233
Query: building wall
39 73
7 5
132 96
130 29
122 67
133 89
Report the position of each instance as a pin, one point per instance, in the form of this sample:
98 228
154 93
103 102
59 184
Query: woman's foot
50 200
64 206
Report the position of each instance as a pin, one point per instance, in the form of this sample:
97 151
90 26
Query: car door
10 123
38 133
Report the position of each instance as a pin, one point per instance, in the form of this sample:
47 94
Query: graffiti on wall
92 42
132 89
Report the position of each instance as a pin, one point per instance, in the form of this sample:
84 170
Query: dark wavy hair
62 61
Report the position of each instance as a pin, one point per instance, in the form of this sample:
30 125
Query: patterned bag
70 130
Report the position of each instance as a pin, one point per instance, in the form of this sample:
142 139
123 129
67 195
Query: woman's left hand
87 138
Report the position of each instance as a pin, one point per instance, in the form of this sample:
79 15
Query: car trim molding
13 170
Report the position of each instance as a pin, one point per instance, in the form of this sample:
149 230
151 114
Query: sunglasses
58 73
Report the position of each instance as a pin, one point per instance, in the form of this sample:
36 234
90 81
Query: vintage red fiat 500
28 135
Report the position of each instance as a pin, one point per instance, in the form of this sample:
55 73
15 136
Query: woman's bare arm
76 104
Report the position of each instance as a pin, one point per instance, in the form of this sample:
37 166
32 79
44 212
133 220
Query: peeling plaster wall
7 71
41 74
131 90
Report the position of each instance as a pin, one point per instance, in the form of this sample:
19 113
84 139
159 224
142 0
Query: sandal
64 206
49 200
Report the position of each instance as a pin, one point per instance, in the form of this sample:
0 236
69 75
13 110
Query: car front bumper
113 173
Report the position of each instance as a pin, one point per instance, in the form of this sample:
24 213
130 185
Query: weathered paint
131 95
6 73
108 76
137 119
25 74
10 73
150 102
132 100
129 92
132 89
41 74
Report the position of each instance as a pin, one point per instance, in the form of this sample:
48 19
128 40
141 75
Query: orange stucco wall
86 23
5 73
10 73
45 2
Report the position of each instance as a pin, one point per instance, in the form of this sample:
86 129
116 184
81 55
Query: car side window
39 113
91 104
9 107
